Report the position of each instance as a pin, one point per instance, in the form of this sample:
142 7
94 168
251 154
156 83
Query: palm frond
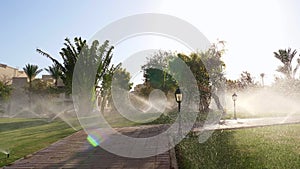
51 58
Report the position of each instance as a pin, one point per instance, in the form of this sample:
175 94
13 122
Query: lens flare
93 141
96 137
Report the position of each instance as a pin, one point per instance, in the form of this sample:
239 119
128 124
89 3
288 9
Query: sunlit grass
24 136
266 147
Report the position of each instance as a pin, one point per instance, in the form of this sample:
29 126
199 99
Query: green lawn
25 136
273 147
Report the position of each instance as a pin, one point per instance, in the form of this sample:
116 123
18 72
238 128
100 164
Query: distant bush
5 91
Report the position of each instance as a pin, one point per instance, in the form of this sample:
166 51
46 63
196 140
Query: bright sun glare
253 30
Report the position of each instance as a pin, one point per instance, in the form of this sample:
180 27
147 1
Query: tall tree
156 72
160 79
96 54
246 80
286 57
69 55
54 71
121 79
160 70
159 60
31 71
209 76
116 76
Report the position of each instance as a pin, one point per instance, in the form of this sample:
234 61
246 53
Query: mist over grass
264 102
43 106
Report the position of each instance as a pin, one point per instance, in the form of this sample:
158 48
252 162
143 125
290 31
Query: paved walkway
75 152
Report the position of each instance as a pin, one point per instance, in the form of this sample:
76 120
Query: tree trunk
204 103
218 103
103 104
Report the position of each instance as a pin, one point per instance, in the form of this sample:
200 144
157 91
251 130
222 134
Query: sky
252 29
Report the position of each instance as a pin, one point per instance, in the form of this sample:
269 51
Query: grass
168 118
25 136
117 120
273 147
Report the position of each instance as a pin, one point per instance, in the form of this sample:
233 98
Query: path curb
173 159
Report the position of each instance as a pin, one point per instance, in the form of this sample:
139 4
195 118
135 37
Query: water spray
5 152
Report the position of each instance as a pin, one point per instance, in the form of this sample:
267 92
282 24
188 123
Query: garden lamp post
178 98
234 97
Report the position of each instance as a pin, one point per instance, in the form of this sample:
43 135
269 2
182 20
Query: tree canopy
5 91
95 54
54 71
207 67
286 57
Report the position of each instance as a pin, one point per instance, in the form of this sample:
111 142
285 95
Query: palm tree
286 57
31 71
262 75
54 71
70 55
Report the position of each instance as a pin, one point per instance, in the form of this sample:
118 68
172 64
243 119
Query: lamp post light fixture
234 97
178 98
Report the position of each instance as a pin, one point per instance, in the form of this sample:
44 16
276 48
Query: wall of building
7 73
